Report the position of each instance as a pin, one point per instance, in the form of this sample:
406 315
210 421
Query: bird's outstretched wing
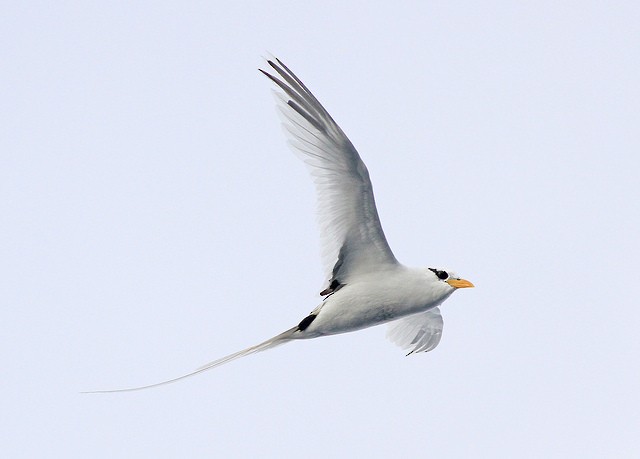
417 333
352 238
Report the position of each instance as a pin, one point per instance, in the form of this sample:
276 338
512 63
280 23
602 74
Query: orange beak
459 283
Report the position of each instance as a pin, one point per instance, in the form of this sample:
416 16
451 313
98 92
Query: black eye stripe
441 274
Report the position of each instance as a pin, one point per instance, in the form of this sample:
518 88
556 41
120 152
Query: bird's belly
350 312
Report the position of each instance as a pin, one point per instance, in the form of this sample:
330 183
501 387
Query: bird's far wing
417 333
351 235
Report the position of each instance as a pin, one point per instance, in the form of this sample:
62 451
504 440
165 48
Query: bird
365 284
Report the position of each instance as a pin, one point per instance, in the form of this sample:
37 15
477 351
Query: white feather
417 333
352 239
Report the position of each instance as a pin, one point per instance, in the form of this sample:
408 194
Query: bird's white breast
377 298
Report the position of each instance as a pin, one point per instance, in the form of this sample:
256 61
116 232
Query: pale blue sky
153 219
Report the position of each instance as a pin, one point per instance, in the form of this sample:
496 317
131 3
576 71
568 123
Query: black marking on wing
334 287
334 283
304 323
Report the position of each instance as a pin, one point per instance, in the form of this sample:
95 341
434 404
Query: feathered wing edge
418 332
269 344
351 234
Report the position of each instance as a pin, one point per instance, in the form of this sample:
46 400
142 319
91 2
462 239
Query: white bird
366 285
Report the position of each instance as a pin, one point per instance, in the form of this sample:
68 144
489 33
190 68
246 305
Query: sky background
153 219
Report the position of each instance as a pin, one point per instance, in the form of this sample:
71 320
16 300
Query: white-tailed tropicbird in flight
366 285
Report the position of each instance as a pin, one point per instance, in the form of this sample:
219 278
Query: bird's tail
268 344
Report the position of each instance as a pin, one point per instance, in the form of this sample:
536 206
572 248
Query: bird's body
366 285
376 298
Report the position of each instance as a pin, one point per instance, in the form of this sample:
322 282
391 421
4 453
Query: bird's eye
441 274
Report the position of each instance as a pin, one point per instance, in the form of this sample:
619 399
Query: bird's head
449 279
